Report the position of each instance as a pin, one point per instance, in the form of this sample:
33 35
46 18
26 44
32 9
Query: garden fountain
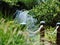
26 20
23 18
58 34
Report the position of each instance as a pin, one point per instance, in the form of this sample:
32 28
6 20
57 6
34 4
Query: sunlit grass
12 34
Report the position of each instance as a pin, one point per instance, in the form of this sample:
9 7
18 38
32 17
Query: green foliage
47 11
28 3
11 2
1 15
50 35
11 33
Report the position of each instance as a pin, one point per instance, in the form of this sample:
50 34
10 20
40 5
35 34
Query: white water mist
22 17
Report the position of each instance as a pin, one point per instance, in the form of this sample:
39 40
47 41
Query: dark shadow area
8 10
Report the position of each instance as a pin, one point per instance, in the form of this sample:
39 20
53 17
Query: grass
12 34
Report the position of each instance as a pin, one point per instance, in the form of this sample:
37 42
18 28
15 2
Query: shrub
48 11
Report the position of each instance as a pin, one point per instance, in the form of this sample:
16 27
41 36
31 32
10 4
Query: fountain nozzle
58 24
42 23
